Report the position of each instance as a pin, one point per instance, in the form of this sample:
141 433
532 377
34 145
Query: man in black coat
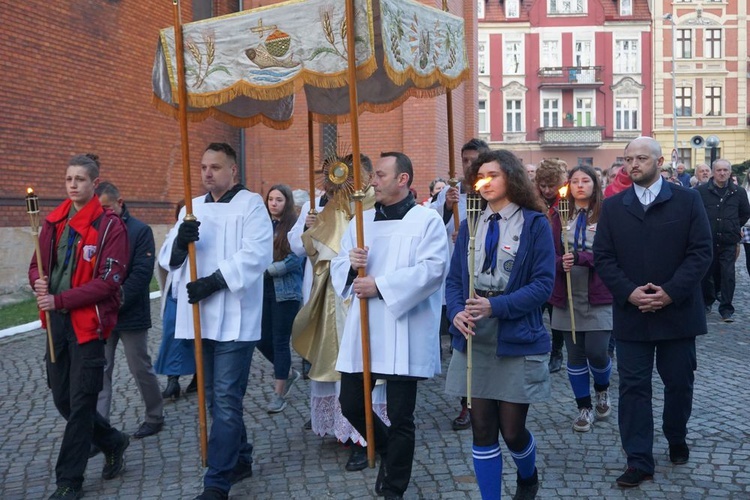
134 318
728 210
652 248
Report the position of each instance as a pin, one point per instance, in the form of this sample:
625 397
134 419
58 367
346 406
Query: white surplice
295 243
409 260
237 238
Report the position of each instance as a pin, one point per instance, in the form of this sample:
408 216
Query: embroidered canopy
244 68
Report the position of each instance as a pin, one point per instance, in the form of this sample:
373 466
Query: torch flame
29 191
481 183
563 191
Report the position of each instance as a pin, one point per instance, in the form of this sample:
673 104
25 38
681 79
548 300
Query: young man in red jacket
84 253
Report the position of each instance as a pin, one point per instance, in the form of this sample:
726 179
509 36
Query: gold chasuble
317 328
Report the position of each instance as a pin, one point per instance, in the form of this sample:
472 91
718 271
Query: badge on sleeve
88 252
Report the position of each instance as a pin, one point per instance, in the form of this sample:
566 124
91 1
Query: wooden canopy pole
359 197
452 181
311 161
182 109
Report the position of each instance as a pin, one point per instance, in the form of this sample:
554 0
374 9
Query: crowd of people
625 262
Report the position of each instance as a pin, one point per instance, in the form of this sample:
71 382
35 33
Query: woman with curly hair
513 273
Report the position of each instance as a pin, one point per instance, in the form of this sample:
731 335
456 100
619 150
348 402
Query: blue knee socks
488 467
579 380
526 459
601 375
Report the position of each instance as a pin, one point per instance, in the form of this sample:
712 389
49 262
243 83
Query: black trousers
720 278
676 364
76 379
395 444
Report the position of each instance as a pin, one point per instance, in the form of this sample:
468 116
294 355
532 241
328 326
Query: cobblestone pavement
293 463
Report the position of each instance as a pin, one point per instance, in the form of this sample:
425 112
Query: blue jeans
276 331
226 366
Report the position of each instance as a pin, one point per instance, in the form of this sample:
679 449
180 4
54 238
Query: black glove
187 233
204 287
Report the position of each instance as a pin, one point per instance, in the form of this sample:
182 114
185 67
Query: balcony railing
570 76
570 137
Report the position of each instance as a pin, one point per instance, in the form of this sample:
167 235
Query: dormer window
626 7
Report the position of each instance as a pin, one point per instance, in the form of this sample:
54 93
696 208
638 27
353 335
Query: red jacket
101 257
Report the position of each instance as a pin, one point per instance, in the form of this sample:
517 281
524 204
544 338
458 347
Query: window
684 101
626 113
566 6
202 9
584 111
626 7
513 115
551 112
713 101
585 160
513 58
550 53
483 124
713 43
512 9
480 9
582 53
626 56
482 57
707 157
684 44
685 156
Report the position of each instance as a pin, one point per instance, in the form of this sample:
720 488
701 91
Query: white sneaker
602 404
277 404
583 422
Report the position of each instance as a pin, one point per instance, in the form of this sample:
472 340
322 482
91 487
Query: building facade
701 51
569 79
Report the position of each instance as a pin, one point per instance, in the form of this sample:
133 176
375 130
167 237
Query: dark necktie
490 244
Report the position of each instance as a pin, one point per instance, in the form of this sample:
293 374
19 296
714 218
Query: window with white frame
482 57
684 44
712 106
512 9
626 113
685 156
550 53
513 57
713 43
584 109
684 101
551 112
626 56
566 6
513 115
582 53
480 9
483 124
626 7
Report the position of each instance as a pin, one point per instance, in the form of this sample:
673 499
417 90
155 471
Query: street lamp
712 141
672 19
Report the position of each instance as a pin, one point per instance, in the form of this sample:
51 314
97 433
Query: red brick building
570 79
77 78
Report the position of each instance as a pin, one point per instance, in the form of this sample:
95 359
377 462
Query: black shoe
357 459
381 477
114 460
192 386
241 471
727 318
633 477
67 493
148 429
173 388
393 497
308 425
213 494
555 361
463 420
526 489
94 450
679 453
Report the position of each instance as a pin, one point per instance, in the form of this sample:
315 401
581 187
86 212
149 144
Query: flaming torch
473 210
32 208
563 210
